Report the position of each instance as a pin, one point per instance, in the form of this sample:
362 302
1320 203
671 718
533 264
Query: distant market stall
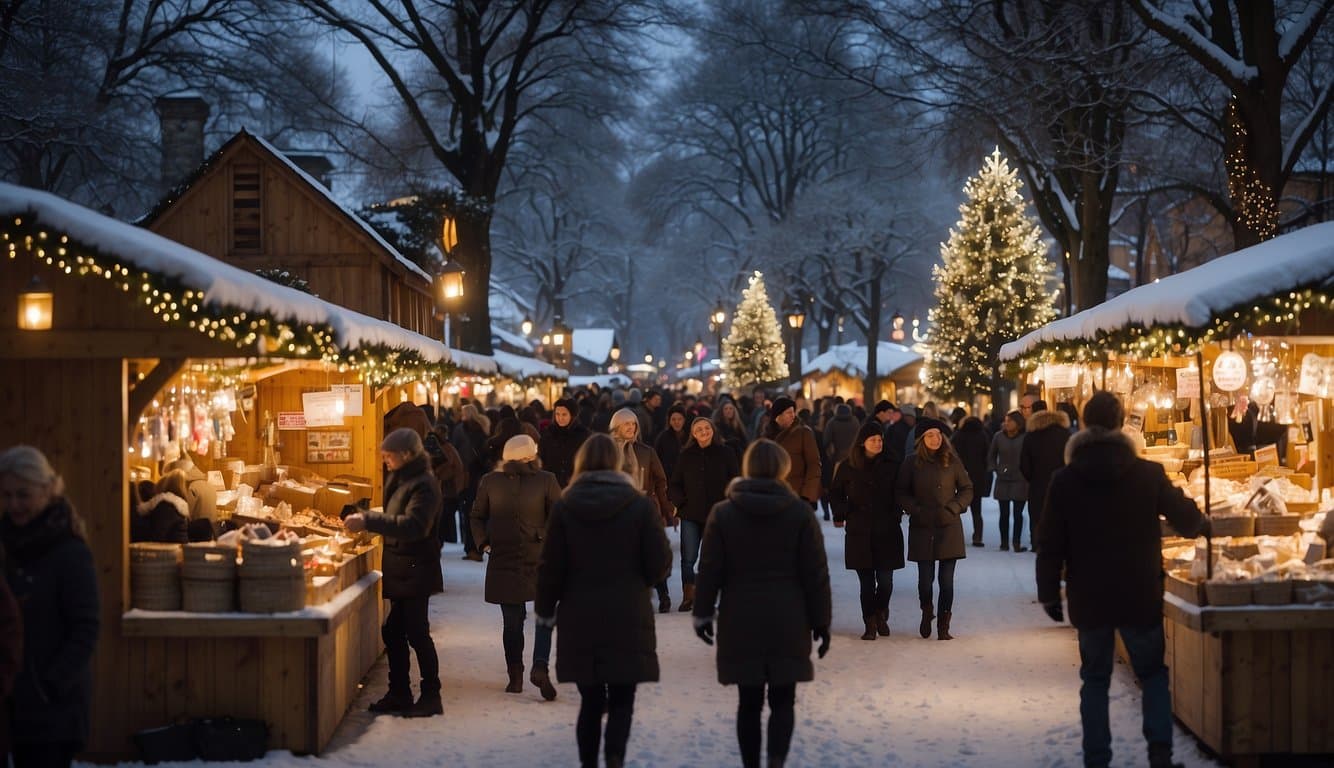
1227 372
841 371
122 345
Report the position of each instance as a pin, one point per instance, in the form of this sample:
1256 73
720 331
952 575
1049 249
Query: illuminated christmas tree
754 352
991 287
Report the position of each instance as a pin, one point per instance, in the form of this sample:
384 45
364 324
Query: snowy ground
1005 692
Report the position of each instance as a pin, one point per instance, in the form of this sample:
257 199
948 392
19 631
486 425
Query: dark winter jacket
411 548
763 551
1101 526
450 471
164 518
864 500
11 652
1042 454
971 443
510 516
804 477
897 436
605 548
668 447
733 438
1003 459
700 479
409 415
839 435
50 571
469 439
557 448
934 495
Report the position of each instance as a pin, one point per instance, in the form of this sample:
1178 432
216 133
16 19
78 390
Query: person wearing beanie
1101 530
509 518
1043 452
703 470
803 453
411 570
561 440
641 463
934 489
863 496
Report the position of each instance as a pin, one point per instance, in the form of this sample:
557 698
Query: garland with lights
174 303
1259 316
1252 198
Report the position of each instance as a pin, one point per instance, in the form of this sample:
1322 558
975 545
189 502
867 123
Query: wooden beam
144 390
110 344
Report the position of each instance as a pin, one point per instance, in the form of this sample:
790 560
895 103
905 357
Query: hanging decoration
1230 371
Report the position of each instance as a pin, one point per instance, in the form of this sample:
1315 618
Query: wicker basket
1277 525
155 585
1277 592
209 595
1228 592
206 561
1233 525
149 551
272 578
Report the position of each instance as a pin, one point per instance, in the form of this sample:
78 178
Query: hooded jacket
510 516
1043 453
764 553
605 548
971 443
1101 526
558 447
164 518
412 506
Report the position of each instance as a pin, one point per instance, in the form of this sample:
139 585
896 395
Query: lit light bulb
340 405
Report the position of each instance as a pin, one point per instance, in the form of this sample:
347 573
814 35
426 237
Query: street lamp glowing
897 333
527 325
648 357
449 283
719 316
615 350
449 234
795 317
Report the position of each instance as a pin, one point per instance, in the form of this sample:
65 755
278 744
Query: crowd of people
569 510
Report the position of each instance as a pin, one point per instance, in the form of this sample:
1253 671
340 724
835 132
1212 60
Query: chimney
182 119
316 165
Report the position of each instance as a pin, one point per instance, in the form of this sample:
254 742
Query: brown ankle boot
541 677
943 627
516 679
687 598
869 634
882 623
924 629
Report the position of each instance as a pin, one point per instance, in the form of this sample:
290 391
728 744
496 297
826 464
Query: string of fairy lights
172 302
1251 196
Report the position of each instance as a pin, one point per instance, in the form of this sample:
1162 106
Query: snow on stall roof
513 339
328 195
851 359
593 344
472 362
1195 297
223 285
519 367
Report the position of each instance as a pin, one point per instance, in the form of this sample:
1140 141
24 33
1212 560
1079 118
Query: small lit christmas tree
991 286
754 352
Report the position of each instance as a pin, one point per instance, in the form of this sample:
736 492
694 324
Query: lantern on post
527 325
796 318
562 337
448 290
36 306
896 332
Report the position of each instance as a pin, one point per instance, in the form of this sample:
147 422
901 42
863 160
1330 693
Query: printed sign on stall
291 420
321 409
1060 376
352 394
1188 383
1317 376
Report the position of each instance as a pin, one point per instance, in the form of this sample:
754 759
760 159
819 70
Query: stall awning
471 362
187 287
1218 299
522 368
851 359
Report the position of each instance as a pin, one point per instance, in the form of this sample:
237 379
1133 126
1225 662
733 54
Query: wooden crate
1190 591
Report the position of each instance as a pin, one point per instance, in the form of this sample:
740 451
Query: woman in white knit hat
509 519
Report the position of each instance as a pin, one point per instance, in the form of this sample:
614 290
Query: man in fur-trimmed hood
1042 453
1101 529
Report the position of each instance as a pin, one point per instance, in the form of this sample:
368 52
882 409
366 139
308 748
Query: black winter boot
869 634
516 679
427 706
776 761
943 627
924 629
541 677
615 761
393 701
882 623
1160 756
664 600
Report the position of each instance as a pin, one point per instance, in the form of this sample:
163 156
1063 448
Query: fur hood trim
1044 419
1093 436
180 504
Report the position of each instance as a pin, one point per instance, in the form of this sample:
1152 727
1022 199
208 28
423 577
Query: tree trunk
872 340
473 252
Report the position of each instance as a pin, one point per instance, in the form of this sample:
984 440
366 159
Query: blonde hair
766 459
597 454
174 482
30 466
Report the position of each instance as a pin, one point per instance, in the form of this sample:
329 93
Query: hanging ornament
1262 391
1229 371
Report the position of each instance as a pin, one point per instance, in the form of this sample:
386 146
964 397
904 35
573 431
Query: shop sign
1188 383
1060 376
291 420
352 394
1230 371
1317 375
321 409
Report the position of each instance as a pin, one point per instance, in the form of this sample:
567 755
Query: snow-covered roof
471 362
223 286
328 195
851 359
515 340
1194 298
519 367
605 381
1116 273
593 344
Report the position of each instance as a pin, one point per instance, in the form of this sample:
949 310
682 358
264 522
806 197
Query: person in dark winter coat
934 490
11 651
1011 489
971 443
162 514
49 570
509 519
560 441
641 463
411 571
469 439
605 547
862 493
700 480
451 475
764 554
1100 529
1043 452
672 439
799 441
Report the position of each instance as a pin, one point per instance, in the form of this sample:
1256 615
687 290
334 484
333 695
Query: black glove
704 629
1053 610
821 634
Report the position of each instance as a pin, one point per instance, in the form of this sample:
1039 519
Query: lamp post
717 319
896 332
615 353
448 290
796 318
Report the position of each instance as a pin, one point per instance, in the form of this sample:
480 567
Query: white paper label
1060 376
1317 377
1230 371
321 409
352 394
1188 383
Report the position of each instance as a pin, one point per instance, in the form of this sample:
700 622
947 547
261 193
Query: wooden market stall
841 371
523 379
100 319
1234 358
